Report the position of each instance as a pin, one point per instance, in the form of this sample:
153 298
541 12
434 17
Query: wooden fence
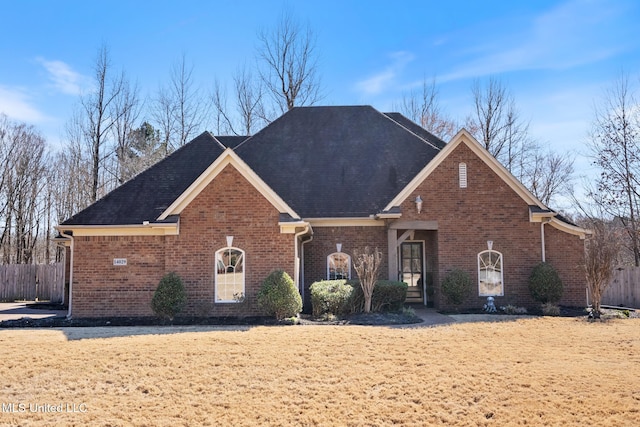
32 282
624 289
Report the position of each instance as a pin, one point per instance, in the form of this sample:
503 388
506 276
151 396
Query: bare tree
25 161
548 175
601 258
615 148
289 63
247 115
423 108
127 109
367 266
99 116
179 109
497 125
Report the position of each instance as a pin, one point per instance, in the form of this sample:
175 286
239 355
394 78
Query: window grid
229 275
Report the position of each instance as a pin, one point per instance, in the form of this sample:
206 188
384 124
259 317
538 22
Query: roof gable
147 196
228 157
336 161
464 137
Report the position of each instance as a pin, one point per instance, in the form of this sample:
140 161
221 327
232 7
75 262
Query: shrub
278 296
456 286
331 297
545 284
388 295
170 297
513 309
550 309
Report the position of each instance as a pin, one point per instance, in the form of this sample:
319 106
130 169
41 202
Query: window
462 175
338 266
229 277
490 274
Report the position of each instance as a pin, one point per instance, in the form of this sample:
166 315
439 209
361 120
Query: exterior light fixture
419 204
229 241
338 247
490 244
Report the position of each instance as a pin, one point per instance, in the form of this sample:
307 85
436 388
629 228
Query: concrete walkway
20 310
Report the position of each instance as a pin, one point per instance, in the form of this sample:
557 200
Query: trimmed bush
456 286
388 295
331 297
278 296
341 297
545 284
170 297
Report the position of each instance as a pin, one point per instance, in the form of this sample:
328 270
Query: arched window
229 277
490 274
338 266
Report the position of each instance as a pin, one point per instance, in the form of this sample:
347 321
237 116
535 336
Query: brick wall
324 243
101 289
489 210
229 206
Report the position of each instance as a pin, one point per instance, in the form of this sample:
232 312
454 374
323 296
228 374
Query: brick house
301 195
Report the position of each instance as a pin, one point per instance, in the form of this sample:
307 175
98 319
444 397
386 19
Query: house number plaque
119 261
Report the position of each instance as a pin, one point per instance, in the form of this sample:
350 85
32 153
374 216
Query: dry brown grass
544 371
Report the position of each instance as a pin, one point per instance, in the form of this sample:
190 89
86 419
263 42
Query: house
301 195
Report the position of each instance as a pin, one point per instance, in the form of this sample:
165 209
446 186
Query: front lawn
540 371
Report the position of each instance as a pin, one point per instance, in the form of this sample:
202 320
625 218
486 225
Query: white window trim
329 268
501 258
215 279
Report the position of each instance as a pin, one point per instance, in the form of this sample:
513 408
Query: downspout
542 223
70 236
297 259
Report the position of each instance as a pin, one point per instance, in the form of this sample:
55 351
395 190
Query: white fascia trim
228 157
150 229
541 216
571 229
290 227
345 222
464 137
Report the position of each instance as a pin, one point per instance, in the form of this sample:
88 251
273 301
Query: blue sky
556 57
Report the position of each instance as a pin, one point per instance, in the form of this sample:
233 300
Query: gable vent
462 175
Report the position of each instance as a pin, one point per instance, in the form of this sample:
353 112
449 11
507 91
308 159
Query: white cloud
63 77
572 34
16 104
384 79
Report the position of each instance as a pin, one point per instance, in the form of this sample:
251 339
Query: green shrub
331 297
170 297
456 286
388 295
545 284
278 296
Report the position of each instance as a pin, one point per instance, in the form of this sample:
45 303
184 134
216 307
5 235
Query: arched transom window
229 277
490 274
338 266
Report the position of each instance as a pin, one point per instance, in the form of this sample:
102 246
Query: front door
412 270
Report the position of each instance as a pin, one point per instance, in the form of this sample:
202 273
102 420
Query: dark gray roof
147 195
417 129
322 161
336 161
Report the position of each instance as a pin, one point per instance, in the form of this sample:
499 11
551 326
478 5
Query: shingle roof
322 161
418 130
147 195
336 161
